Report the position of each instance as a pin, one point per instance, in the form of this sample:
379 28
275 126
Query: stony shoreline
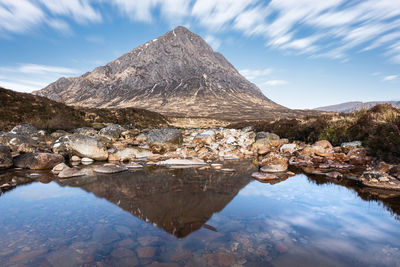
29 148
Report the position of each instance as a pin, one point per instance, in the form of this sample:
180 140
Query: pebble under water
188 217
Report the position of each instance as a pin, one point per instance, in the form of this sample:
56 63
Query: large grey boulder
82 146
112 132
38 161
5 157
267 135
164 140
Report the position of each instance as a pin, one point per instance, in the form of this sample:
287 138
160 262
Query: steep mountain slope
18 108
354 106
177 74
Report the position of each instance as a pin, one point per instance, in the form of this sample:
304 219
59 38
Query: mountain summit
177 74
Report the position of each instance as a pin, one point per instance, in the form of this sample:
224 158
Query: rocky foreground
67 154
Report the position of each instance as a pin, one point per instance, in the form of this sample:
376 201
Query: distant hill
18 108
357 105
177 74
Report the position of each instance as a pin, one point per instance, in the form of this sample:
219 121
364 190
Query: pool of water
159 217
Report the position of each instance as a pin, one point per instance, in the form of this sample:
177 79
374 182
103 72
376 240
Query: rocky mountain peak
176 74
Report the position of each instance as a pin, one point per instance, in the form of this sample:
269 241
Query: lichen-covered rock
82 146
112 132
267 135
380 180
38 161
346 147
288 148
5 157
266 144
274 162
164 140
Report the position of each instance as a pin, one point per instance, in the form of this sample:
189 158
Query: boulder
38 161
316 150
6 160
346 147
87 160
70 173
261 176
264 145
181 162
82 146
125 154
324 144
24 129
112 132
379 180
206 139
274 162
75 159
110 168
164 140
267 135
395 172
59 167
26 148
288 148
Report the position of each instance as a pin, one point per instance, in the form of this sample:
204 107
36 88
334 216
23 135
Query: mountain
177 74
353 106
19 108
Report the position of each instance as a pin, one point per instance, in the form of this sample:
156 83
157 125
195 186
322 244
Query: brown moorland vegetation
19 108
377 128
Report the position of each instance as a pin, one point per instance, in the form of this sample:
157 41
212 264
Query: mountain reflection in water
180 201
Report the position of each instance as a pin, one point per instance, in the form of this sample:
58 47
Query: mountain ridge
177 74
348 107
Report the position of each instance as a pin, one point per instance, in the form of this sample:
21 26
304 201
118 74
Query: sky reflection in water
194 221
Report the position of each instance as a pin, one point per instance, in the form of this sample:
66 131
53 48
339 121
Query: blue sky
301 53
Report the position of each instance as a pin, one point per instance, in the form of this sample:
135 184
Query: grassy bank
18 108
378 128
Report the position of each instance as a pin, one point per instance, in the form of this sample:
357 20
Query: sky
300 53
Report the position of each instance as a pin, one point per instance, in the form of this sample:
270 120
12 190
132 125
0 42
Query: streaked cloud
330 28
19 16
79 10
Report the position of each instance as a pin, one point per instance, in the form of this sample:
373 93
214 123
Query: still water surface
187 217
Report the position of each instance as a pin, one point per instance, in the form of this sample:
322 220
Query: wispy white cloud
275 82
173 10
216 14
19 16
80 10
213 41
390 78
43 69
253 74
29 77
